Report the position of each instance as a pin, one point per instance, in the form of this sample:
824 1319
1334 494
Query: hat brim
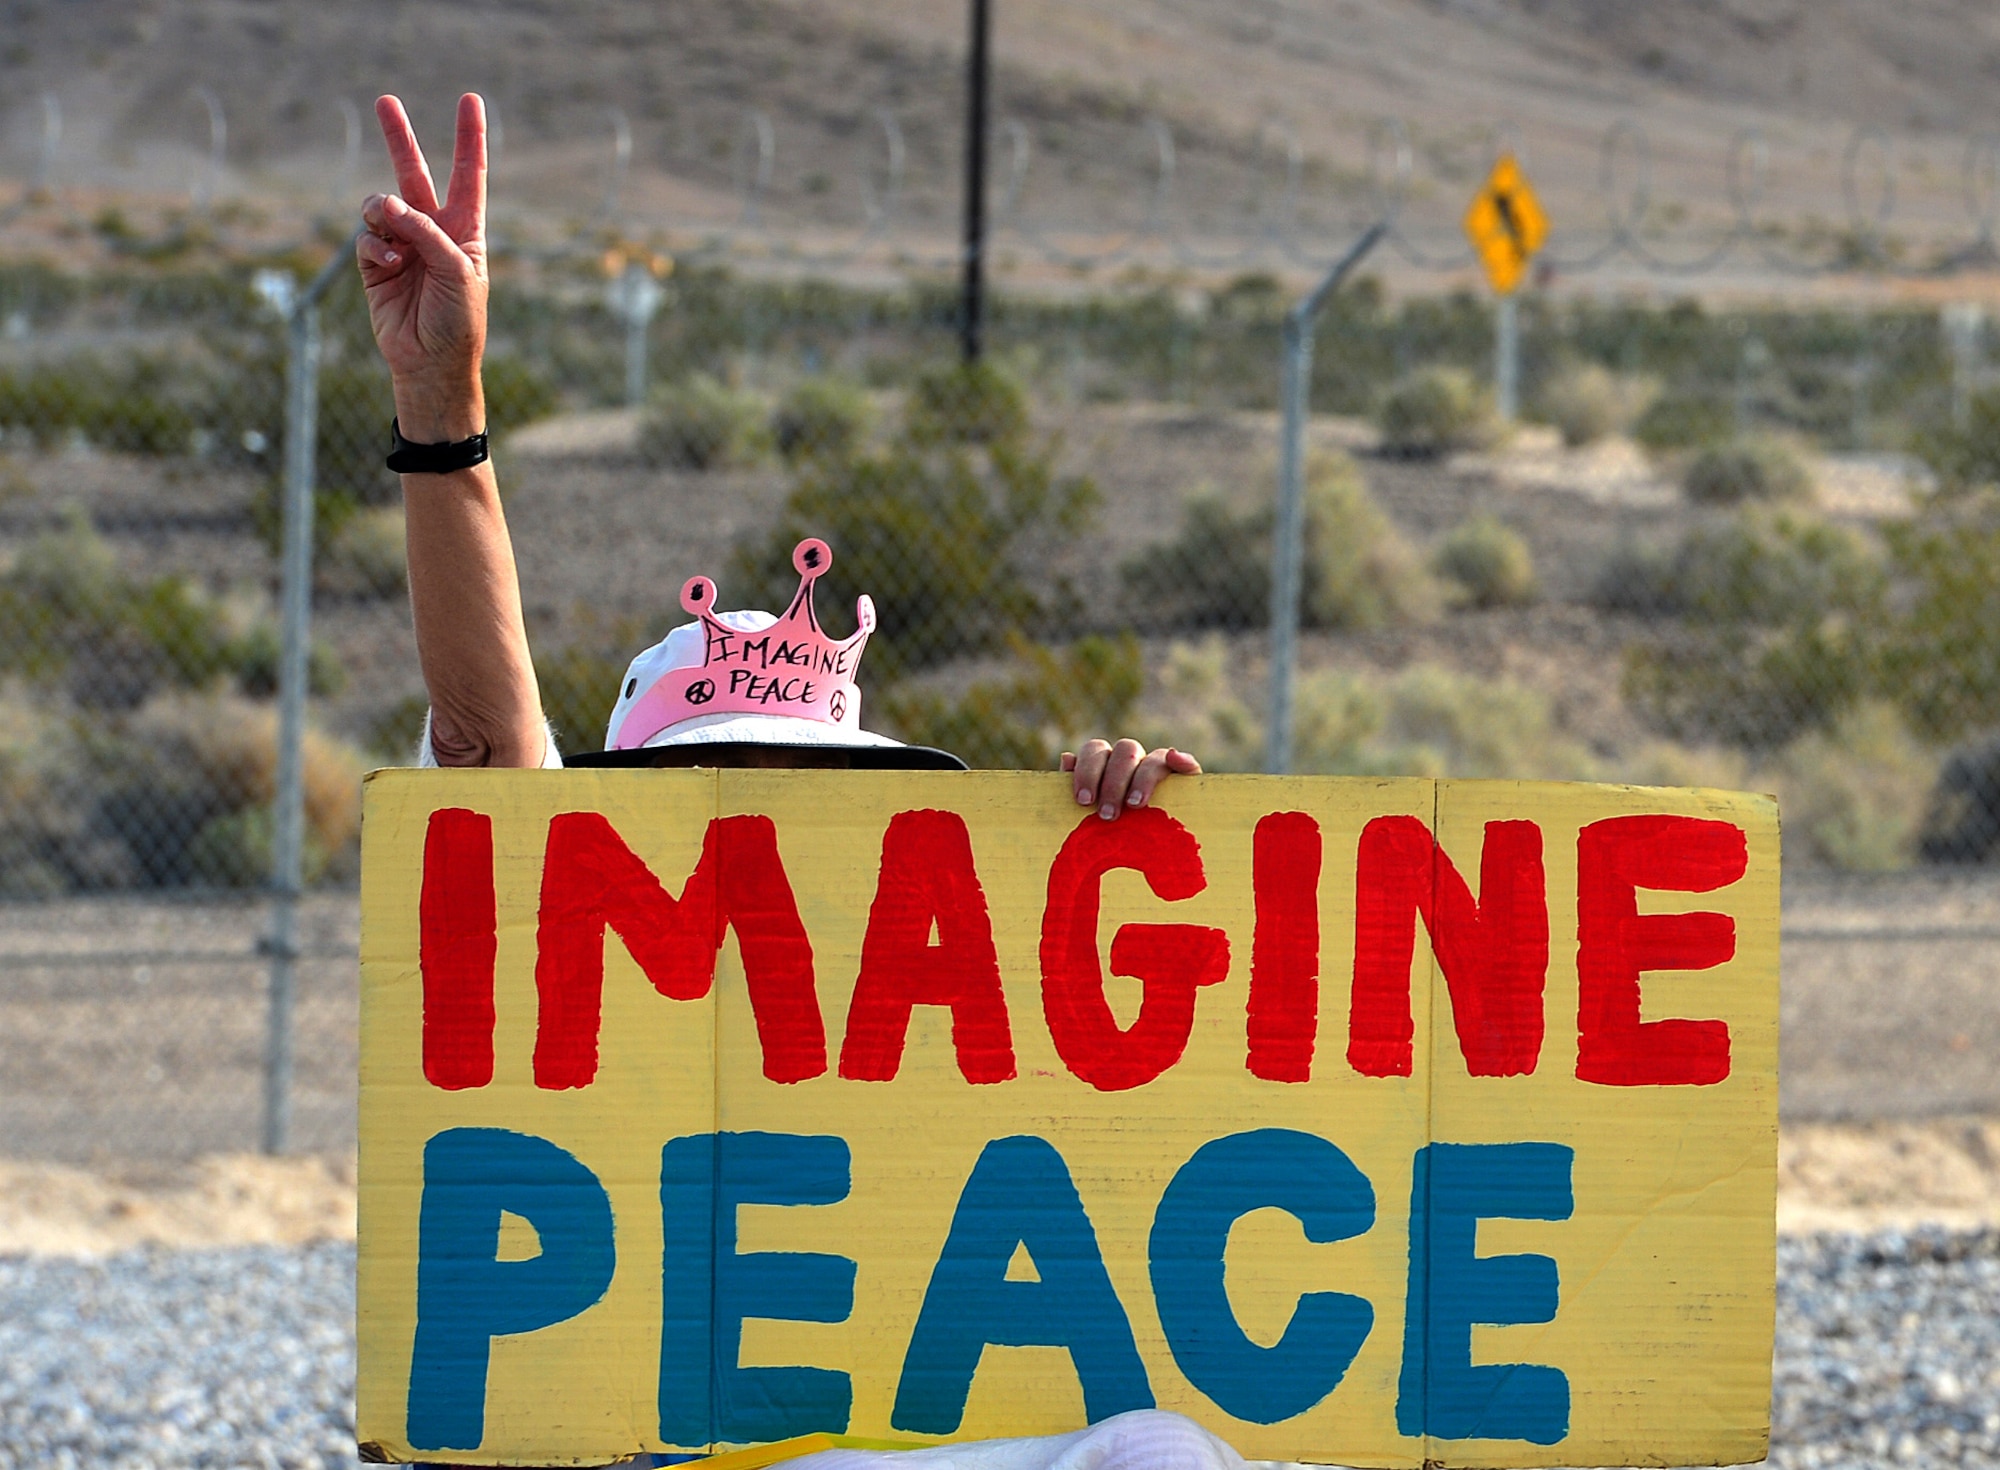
762 730
740 753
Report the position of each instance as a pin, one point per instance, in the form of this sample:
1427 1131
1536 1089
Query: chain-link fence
1745 547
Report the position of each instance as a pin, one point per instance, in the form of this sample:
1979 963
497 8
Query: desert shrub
70 617
1422 721
1440 722
1682 420
1360 572
1855 794
1488 563
965 403
702 424
190 795
1357 571
1760 566
45 796
1757 468
1587 402
945 537
1757 688
350 445
1779 610
394 732
1940 655
1962 817
517 393
579 686
69 614
365 557
1639 576
1434 411
259 654
1668 763
332 510
176 793
1215 574
142 405
821 416
1966 458
1050 698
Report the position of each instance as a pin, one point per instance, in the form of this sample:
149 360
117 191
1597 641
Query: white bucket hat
752 678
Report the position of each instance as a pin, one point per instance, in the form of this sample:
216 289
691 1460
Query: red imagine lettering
458 935
1283 1020
927 877
1494 952
1615 942
1172 960
591 880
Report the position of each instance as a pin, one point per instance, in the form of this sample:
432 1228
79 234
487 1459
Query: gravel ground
1888 1350
1888 1353
171 1358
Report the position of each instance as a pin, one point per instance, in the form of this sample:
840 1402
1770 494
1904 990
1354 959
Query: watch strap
406 458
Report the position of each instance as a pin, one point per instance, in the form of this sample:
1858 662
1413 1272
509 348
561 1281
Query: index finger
467 190
413 175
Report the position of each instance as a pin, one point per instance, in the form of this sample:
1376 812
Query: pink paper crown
790 668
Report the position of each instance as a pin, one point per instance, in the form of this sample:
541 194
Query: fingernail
1108 810
393 205
390 257
1137 798
1084 796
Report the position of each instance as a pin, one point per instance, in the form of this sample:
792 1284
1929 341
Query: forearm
465 594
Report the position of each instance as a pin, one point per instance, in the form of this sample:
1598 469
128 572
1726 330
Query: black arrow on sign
1503 202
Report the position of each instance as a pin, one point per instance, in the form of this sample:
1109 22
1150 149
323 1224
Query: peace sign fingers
465 204
413 174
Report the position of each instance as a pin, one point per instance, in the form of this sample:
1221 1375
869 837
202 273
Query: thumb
421 233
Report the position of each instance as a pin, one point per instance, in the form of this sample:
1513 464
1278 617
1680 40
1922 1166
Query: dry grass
224 1199
234 744
1870 1176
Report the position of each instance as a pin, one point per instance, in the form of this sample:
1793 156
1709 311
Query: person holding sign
424 266
742 688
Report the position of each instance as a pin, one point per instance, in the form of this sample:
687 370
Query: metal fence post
45 160
209 182
1288 538
635 298
1964 322
295 596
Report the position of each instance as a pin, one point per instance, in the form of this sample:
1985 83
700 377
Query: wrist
440 411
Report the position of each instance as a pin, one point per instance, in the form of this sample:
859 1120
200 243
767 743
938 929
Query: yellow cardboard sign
1372 1122
1506 225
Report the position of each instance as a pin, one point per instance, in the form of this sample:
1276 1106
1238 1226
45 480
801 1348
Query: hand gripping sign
1370 1122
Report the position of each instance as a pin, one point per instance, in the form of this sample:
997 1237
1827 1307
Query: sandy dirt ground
1831 1176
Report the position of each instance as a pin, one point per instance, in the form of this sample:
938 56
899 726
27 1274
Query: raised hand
423 264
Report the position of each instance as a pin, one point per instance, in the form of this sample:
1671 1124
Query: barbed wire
1270 232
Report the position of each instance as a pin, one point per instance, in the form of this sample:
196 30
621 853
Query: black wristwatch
406 458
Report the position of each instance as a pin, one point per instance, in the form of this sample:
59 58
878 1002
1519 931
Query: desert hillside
1082 77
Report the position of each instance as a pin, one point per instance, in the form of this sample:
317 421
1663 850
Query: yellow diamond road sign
1506 224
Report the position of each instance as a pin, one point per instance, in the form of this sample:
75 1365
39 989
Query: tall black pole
972 294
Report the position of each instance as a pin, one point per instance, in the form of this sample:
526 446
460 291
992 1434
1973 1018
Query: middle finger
1111 791
1089 769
